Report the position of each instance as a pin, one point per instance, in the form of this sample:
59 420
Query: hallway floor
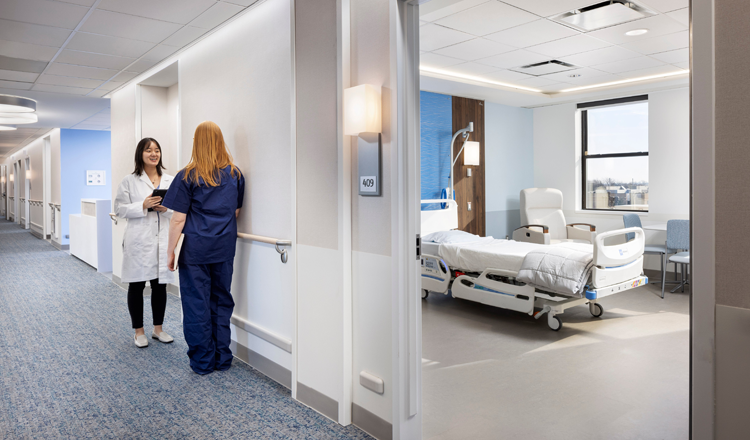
69 367
495 374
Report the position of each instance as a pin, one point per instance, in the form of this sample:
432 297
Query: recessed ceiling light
7 127
18 118
16 104
635 32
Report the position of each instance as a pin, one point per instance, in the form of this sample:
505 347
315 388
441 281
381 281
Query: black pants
158 302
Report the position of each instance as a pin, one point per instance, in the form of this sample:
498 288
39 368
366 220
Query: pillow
451 237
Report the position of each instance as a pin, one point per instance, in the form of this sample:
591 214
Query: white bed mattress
488 252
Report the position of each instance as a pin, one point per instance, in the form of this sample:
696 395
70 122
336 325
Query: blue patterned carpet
69 368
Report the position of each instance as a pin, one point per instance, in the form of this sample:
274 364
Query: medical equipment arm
525 233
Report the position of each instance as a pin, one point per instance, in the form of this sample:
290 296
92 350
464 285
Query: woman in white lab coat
146 237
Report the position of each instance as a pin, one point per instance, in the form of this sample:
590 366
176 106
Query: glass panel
619 183
618 129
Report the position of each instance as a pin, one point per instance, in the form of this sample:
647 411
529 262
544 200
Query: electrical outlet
468 172
68 236
469 206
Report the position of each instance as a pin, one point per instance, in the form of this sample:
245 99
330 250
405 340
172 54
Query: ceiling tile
15 85
545 8
657 25
61 89
474 49
432 36
537 81
21 65
143 65
87 126
87 3
469 69
487 18
185 36
93 60
108 45
628 65
666 5
673 56
80 71
125 76
218 14
436 10
68 81
600 56
685 65
26 51
110 85
568 46
658 70
507 75
431 59
11 75
241 2
513 59
663 43
32 33
175 11
601 79
44 12
160 52
681 15
531 34
583 74
128 26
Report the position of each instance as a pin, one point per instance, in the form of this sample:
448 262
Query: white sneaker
162 337
140 341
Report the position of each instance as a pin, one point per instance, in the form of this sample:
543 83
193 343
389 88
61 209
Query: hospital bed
486 270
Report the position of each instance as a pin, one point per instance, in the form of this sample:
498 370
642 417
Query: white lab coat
146 238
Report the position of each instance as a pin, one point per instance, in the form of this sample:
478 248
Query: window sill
609 213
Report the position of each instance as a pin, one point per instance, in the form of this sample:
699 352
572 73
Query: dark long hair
139 165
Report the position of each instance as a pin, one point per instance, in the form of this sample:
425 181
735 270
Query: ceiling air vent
604 14
545 68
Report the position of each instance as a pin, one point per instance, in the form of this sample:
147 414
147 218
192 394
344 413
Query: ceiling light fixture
18 118
476 78
626 81
7 127
635 32
16 104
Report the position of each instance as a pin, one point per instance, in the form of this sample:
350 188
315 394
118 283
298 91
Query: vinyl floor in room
494 374
69 368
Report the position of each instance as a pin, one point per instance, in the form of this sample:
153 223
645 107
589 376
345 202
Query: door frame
27 191
47 182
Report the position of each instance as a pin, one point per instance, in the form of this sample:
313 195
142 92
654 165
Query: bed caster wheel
596 309
554 323
425 293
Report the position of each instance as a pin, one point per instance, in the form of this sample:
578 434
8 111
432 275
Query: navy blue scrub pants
207 306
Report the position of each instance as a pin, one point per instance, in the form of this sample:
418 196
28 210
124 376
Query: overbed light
476 78
635 32
16 104
7 127
18 118
626 81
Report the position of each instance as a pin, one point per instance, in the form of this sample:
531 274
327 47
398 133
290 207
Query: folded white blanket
557 269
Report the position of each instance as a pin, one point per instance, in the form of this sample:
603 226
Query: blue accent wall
82 150
436 112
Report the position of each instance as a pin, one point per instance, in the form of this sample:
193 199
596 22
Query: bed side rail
618 254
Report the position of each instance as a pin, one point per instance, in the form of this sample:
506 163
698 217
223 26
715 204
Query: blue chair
634 221
678 241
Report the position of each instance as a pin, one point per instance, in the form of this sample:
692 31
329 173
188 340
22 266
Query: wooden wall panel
469 189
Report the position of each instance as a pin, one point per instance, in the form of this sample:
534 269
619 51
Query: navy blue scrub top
211 226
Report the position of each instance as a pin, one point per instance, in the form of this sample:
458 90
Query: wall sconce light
471 154
362 110
2 179
28 174
11 177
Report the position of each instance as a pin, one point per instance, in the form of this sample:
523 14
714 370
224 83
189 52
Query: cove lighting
7 127
18 118
16 104
635 32
626 81
476 78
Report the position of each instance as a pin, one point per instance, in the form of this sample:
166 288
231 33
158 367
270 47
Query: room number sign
368 184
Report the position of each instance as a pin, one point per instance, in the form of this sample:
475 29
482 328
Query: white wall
557 163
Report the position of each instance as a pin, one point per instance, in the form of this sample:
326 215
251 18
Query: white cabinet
91 234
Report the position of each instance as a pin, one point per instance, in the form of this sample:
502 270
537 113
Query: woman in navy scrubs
206 197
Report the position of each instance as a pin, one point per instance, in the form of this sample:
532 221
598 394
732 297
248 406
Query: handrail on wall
269 240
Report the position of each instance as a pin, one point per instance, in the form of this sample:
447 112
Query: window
614 136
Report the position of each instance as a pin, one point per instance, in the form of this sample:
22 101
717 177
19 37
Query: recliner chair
541 209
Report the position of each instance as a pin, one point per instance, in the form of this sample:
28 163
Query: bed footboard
617 263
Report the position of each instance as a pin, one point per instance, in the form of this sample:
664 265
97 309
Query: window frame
583 108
